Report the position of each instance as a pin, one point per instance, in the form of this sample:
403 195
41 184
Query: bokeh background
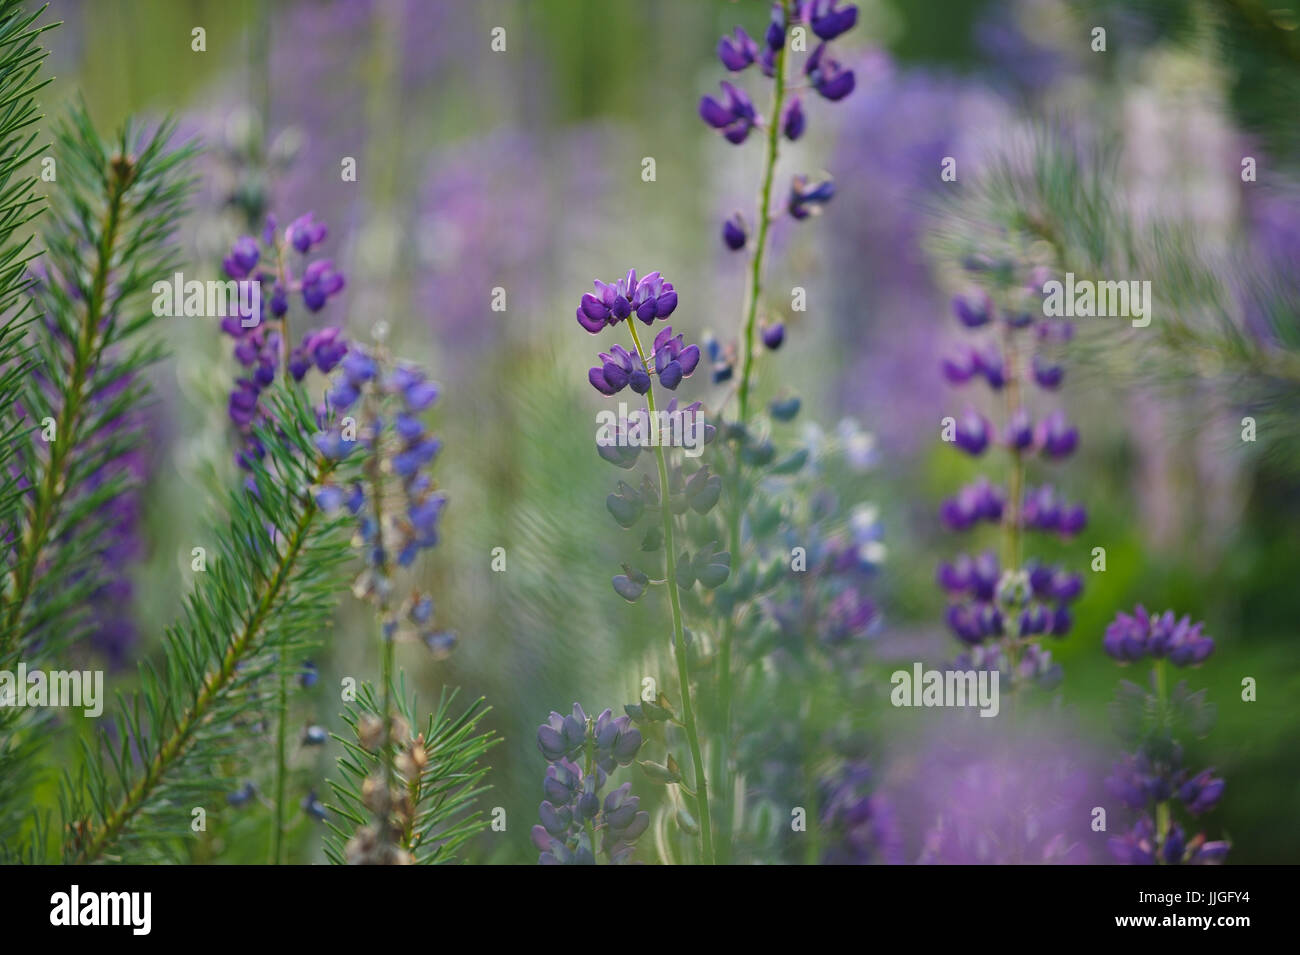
521 170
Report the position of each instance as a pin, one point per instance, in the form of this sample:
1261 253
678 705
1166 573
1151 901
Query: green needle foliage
438 768
271 584
21 62
108 238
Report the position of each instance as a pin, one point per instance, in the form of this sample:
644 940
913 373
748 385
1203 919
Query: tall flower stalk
260 349
679 637
670 360
406 797
735 116
1001 604
1151 779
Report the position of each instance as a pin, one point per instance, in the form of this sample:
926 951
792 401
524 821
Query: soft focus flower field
888 404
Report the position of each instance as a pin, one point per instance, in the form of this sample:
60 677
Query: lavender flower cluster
1008 602
398 505
735 116
259 342
1152 778
575 820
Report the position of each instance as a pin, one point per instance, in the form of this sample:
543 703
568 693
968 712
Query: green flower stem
388 649
1011 530
679 639
591 768
1162 807
748 346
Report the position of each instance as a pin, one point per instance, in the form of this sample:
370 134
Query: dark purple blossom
827 76
829 20
649 298
773 335
971 433
674 360
734 233
242 259
793 121
305 233
976 502
1129 638
1056 438
735 117
973 310
738 50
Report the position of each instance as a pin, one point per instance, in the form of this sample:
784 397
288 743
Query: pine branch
279 563
438 768
108 238
21 63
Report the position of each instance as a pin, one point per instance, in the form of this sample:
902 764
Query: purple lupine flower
807 197
1137 846
1046 374
827 76
320 282
1042 510
972 432
619 368
738 50
734 234
774 36
305 233
674 360
976 502
257 347
1129 638
973 310
1056 438
1141 845
242 259
650 298
572 794
829 20
793 122
735 118
408 523
1152 778
960 366
653 297
1201 793
1020 431
773 335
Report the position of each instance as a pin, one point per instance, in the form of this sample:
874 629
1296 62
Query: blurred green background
522 170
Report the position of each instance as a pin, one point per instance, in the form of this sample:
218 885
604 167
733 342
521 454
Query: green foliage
108 237
270 585
438 769
21 60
